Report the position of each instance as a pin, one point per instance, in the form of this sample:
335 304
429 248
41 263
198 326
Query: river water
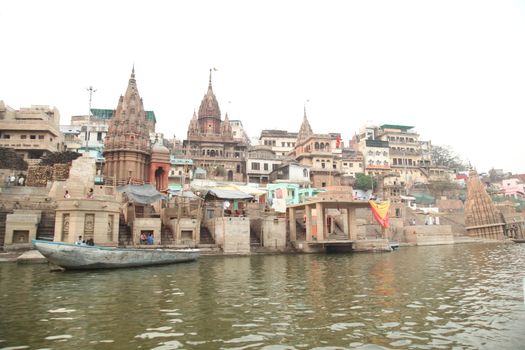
442 297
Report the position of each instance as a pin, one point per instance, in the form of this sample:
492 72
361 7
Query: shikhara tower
127 146
210 142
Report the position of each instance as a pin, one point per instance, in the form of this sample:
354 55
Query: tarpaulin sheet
143 194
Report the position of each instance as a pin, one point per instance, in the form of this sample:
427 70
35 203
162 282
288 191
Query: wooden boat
83 257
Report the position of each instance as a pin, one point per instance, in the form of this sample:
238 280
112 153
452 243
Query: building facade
322 153
211 145
32 132
260 163
281 142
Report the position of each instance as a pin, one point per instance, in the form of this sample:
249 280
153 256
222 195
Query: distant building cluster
128 149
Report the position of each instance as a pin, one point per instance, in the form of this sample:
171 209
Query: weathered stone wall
233 234
274 233
429 234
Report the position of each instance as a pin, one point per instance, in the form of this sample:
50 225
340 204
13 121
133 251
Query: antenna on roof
91 91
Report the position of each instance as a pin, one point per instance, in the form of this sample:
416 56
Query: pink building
513 188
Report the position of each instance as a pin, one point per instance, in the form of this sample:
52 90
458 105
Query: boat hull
79 257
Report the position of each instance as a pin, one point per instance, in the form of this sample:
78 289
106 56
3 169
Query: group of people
15 180
146 239
88 241
89 195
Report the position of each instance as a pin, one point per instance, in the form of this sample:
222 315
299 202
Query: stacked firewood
38 175
60 172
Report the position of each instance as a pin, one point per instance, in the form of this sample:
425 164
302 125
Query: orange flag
380 212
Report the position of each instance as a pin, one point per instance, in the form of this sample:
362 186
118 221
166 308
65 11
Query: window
23 137
323 165
99 136
334 166
282 144
275 166
238 169
265 166
256 166
40 137
6 136
33 137
305 173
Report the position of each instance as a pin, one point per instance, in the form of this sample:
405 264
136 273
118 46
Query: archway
230 175
159 174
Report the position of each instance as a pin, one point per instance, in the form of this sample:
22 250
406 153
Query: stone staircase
205 236
124 232
166 236
255 240
46 227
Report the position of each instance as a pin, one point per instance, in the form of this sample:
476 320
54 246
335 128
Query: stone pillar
308 211
352 224
293 225
319 208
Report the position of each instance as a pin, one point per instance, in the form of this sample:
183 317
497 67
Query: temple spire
209 84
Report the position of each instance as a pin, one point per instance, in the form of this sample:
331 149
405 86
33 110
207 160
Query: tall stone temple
210 142
482 219
127 146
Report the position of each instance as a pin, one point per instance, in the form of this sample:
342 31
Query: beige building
322 153
281 142
260 163
33 132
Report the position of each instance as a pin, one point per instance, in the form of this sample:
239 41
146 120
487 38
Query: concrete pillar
352 224
320 220
308 211
293 225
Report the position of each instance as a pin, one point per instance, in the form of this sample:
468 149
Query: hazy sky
453 69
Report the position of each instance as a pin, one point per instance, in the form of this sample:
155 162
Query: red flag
338 141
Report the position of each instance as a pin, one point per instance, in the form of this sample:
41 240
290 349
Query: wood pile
60 172
38 175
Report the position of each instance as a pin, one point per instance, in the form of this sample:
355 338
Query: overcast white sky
453 69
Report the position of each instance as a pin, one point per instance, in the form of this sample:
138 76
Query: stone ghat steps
46 227
205 236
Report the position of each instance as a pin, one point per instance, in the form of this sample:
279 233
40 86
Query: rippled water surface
448 297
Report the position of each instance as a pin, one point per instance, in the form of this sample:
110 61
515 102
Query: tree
59 158
9 159
444 156
364 182
439 187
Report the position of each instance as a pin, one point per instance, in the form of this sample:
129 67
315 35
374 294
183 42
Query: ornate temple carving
127 144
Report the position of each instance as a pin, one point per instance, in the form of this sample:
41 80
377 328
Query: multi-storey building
351 162
32 132
321 153
281 142
238 132
260 163
376 157
210 142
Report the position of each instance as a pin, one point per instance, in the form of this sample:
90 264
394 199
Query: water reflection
465 297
